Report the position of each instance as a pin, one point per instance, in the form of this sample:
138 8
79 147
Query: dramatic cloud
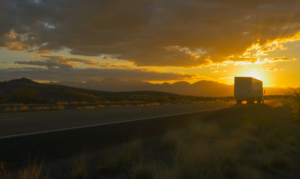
66 63
76 74
271 69
148 32
254 61
282 59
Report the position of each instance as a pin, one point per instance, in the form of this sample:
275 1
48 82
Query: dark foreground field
256 141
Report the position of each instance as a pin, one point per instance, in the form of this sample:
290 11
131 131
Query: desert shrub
4 173
293 102
87 107
32 172
248 148
117 157
27 96
7 109
79 168
101 106
114 106
143 171
24 109
62 102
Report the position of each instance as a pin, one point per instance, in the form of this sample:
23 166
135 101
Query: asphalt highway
53 135
28 123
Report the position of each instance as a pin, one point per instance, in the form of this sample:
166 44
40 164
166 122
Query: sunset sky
151 40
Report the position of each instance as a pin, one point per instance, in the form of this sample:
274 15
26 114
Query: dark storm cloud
147 32
76 74
66 63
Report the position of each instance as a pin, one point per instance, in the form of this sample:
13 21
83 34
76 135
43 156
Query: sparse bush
114 106
42 108
62 102
128 105
79 169
61 107
15 109
4 172
117 157
293 102
87 107
7 109
24 109
143 171
32 172
245 149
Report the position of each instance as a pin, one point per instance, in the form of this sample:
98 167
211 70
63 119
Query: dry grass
79 169
42 108
87 107
128 105
16 109
7 109
119 157
114 106
150 104
153 170
61 107
101 106
291 102
24 109
4 173
246 149
27 109
32 172
62 102
143 171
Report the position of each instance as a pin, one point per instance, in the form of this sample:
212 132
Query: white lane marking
95 125
11 119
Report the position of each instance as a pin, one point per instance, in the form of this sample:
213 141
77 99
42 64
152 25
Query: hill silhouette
200 88
27 91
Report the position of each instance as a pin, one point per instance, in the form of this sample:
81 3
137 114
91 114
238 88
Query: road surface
52 135
26 123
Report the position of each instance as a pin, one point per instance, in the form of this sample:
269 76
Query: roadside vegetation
32 171
290 102
24 108
261 143
59 106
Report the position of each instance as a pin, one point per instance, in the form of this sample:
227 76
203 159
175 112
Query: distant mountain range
200 88
29 92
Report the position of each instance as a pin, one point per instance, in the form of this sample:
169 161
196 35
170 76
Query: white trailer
248 89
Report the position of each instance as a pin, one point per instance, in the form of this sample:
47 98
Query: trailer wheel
259 100
238 101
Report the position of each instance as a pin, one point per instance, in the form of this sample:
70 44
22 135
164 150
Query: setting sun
255 74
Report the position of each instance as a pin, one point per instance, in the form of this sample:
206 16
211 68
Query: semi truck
248 89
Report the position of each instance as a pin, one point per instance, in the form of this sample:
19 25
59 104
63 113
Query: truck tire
238 101
259 100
